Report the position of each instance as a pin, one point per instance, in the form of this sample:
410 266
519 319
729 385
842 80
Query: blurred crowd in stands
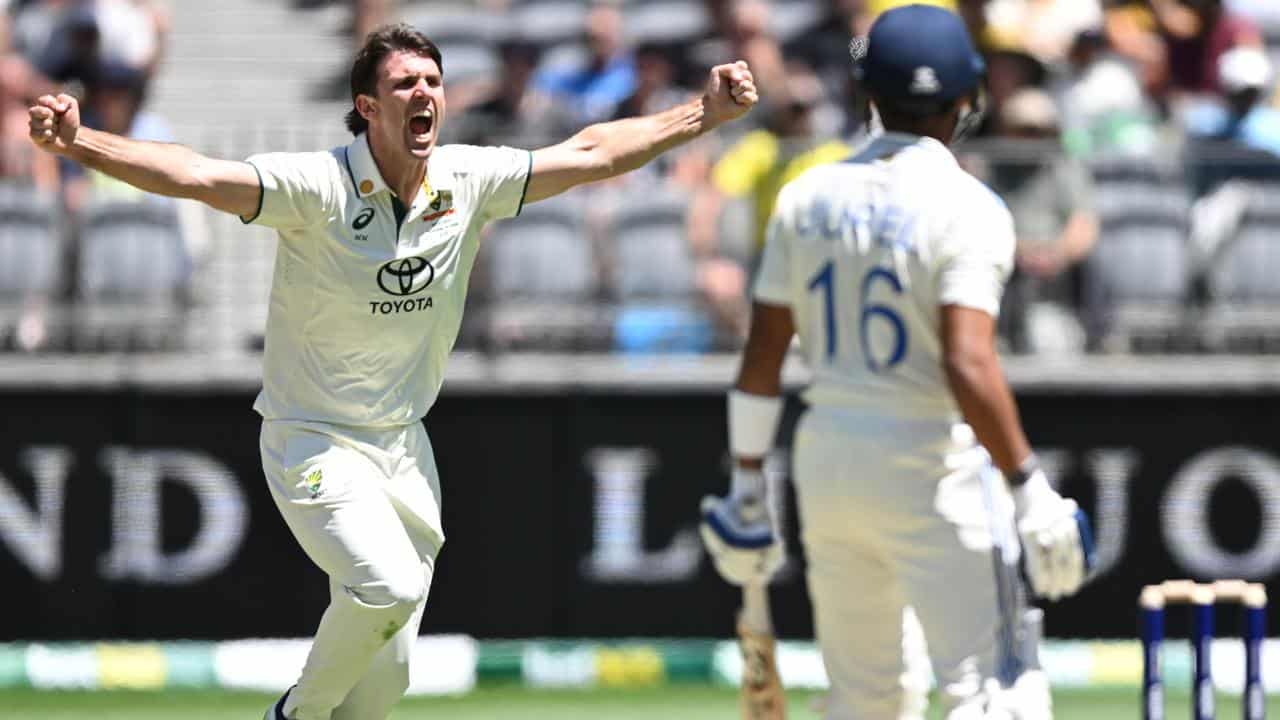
1133 140
1137 143
59 222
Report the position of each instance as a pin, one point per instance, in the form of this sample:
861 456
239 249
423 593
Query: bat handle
755 608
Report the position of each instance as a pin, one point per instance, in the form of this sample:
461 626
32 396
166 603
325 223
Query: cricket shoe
761 692
276 711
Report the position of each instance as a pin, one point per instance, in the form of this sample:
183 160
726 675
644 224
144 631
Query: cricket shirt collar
885 144
368 180
364 171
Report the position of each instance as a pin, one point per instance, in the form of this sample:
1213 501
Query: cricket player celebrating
890 267
376 243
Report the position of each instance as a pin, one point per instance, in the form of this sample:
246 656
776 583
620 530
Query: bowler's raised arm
606 150
160 168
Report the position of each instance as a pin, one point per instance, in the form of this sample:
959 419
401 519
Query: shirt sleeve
772 287
977 258
501 175
297 189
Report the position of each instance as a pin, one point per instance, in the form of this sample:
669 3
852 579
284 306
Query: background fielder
890 267
377 241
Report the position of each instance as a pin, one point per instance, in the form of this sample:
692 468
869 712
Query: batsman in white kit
890 267
376 244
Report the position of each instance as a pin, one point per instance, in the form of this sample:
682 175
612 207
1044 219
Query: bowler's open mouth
421 122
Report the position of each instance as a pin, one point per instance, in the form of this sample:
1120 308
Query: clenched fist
55 122
731 91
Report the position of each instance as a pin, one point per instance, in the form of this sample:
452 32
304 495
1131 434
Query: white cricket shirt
866 252
364 313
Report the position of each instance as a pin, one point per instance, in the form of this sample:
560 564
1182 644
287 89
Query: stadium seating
1147 287
31 258
539 279
652 276
1138 280
466 39
791 19
665 21
547 22
1244 298
132 279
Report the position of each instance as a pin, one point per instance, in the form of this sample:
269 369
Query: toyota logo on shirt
405 276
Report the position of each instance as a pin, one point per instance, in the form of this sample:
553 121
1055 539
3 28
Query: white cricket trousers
893 513
364 504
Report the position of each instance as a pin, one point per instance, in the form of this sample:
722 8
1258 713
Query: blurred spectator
1010 68
66 39
134 32
33 25
760 163
657 68
1131 32
826 47
514 112
974 13
1013 62
26 302
1198 33
114 103
1237 138
1051 198
753 170
20 162
674 294
368 15
594 89
750 39
1046 29
1104 108
61 37
741 31
1244 117
1265 13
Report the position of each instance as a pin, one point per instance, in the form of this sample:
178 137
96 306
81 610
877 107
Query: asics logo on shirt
363 219
405 276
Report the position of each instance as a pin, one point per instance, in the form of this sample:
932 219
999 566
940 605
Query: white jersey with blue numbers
866 252
366 303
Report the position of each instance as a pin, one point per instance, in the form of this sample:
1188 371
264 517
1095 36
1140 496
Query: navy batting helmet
919 58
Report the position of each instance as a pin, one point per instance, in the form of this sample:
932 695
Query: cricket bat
760 694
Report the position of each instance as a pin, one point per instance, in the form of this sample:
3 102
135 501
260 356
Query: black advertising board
140 514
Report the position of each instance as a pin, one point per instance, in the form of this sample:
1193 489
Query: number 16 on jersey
826 283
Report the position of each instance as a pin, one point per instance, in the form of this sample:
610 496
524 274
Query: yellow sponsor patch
1116 663
629 667
131 666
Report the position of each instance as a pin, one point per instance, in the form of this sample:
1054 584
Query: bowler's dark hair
381 43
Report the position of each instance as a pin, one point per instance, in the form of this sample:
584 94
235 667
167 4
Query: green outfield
687 702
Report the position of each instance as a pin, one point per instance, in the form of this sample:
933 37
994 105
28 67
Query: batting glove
738 534
1056 537
1028 699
